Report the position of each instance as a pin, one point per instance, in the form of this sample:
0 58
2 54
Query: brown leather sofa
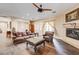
20 37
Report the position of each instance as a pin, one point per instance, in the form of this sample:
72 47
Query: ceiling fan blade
35 5
47 9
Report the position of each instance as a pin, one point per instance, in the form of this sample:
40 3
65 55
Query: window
20 26
48 27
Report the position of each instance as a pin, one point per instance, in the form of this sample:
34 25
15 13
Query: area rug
21 49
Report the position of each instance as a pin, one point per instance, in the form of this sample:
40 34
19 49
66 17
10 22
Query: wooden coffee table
36 41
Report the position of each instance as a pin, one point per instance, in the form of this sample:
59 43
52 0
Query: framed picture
73 15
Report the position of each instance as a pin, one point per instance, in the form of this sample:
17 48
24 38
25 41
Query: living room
16 19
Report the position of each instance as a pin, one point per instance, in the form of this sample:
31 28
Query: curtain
53 26
48 26
40 26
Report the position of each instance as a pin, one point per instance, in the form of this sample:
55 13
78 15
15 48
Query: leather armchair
48 36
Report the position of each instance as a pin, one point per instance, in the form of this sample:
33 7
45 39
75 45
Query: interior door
31 26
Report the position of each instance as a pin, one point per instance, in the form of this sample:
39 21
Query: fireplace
72 33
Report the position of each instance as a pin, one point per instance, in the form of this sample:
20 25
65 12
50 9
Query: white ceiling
28 11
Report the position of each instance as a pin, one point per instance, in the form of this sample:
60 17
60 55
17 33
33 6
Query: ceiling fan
40 9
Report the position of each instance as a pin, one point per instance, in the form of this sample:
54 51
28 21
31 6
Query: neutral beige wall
61 30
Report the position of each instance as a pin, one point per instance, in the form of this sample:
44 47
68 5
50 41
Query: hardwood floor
63 48
58 48
47 50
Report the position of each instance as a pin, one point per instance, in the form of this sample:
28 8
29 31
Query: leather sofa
20 37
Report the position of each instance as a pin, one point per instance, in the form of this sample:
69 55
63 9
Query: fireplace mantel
71 25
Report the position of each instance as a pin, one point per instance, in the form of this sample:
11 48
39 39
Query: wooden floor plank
64 48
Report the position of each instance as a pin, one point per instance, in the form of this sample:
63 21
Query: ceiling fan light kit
40 9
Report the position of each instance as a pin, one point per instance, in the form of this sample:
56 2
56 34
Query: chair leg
27 44
35 49
44 44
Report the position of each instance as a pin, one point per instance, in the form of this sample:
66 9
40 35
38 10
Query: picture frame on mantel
73 15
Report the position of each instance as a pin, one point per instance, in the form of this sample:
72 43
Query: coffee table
36 41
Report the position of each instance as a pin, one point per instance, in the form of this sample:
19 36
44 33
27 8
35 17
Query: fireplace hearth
72 33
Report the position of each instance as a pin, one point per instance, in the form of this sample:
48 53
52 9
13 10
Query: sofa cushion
17 38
